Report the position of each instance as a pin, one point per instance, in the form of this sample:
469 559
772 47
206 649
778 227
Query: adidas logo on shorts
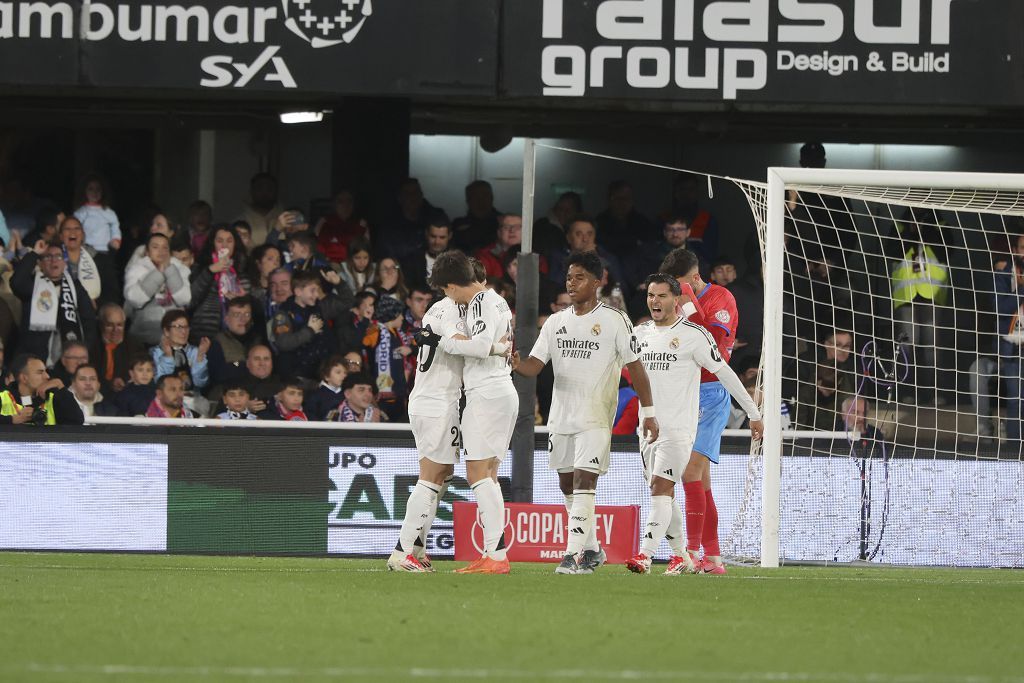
595 461
669 472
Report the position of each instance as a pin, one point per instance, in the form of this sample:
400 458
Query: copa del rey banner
537 533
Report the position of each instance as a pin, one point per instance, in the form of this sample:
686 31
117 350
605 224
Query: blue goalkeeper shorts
714 416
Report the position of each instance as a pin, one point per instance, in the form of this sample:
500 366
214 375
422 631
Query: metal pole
771 445
527 293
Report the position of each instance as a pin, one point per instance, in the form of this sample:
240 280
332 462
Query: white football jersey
489 317
438 384
587 353
673 356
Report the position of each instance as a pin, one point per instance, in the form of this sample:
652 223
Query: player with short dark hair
672 350
492 403
587 345
714 308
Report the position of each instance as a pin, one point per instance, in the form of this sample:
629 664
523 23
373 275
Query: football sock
695 504
429 521
581 519
657 522
492 515
709 537
422 499
674 533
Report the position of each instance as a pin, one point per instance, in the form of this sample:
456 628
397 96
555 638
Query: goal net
892 312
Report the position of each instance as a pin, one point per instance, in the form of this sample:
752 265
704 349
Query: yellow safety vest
919 275
9 407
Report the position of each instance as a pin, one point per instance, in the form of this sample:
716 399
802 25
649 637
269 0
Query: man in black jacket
56 309
416 266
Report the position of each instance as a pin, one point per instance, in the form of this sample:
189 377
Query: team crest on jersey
674 344
723 316
595 330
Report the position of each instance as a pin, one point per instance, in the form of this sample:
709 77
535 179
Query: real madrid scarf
55 308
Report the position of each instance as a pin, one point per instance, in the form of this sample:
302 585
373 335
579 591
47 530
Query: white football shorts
437 438
487 425
589 451
667 457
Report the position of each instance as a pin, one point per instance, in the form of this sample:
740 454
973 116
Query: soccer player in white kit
434 419
587 344
492 403
673 350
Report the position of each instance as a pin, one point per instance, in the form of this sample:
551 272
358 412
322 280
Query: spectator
549 232
280 291
231 345
236 402
153 285
47 326
646 260
358 404
510 234
818 401
358 270
289 223
559 302
287 403
620 227
834 351
302 254
140 391
581 238
389 281
402 232
920 286
723 271
479 227
169 400
300 327
687 194
73 355
418 265
218 276
265 259
158 225
336 231
80 263
200 221
51 403
85 387
11 412
181 250
260 377
262 210
749 295
244 232
98 220
1009 287
353 362
611 292
415 308
175 356
388 346
328 395
46 228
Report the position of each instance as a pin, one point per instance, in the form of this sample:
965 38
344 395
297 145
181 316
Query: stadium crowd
274 316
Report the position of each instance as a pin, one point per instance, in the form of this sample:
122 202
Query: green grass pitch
66 617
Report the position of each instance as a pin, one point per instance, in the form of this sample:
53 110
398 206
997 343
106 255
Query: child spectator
336 231
352 331
388 346
328 395
287 403
723 272
102 229
389 281
244 232
175 356
358 404
265 260
236 402
302 254
140 391
358 270
299 328
170 399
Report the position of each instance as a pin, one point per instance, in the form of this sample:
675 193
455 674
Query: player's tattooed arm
642 386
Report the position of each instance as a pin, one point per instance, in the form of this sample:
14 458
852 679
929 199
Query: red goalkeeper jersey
716 312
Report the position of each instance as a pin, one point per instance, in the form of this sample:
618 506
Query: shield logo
674 344
323 23
595 330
